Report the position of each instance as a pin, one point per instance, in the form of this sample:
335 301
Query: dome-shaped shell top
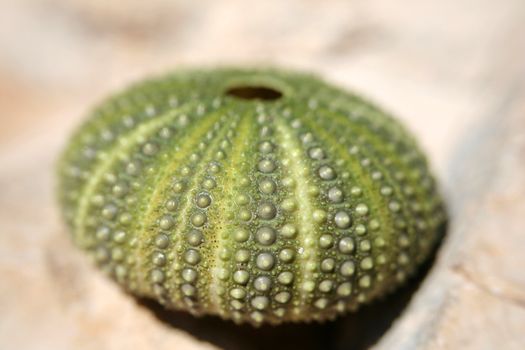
256 195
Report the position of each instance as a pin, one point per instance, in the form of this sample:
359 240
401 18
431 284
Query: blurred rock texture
453 70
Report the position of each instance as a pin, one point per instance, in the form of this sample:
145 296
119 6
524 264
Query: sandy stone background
452 70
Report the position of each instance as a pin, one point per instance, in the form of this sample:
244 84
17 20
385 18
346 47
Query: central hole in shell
247 92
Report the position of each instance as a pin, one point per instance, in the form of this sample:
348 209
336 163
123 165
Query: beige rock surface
452 70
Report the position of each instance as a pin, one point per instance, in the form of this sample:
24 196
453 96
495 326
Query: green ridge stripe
222 213
377 150
125 144
206 249
307 227
362 178
156 199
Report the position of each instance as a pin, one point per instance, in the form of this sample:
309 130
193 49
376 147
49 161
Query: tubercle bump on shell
295 207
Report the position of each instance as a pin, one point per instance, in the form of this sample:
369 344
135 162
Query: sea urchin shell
255 195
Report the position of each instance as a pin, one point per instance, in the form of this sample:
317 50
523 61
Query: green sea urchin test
261 196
